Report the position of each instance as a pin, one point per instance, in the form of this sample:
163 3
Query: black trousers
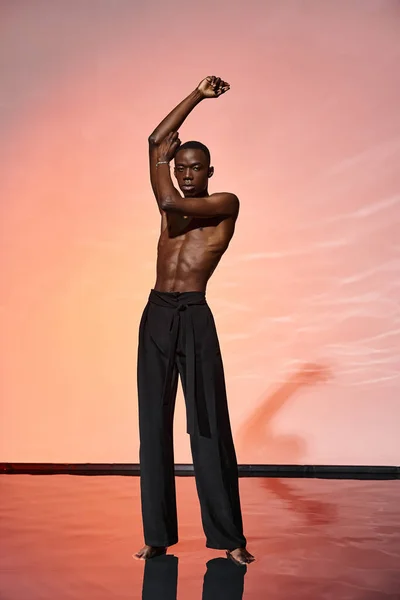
177 336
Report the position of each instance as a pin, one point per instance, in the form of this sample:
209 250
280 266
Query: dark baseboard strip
186 470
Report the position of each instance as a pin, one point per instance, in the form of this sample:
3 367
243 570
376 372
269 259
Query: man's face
192 172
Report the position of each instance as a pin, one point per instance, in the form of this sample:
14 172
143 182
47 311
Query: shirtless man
177 336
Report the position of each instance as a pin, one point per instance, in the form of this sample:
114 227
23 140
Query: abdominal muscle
185 263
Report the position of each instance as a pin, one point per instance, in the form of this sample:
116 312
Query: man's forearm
176 117
167 192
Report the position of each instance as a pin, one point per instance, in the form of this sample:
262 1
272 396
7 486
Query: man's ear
210 172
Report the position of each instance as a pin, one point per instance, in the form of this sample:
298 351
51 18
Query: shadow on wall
223 579
256 435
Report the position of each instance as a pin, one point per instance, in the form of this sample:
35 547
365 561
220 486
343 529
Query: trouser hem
226 547
159 544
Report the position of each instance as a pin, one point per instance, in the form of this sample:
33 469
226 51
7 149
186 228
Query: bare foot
149 552
240 556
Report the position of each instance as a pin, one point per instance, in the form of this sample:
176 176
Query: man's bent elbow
152 139
166 203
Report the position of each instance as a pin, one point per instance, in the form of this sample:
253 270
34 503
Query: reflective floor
69 537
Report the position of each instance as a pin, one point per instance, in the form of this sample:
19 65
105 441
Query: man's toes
149 552
241 556
141 554
250 557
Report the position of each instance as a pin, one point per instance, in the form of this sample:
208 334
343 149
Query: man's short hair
195 146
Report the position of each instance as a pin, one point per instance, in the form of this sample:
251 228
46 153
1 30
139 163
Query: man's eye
195 168
180 169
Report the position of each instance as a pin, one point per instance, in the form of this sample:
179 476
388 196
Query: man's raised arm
210 87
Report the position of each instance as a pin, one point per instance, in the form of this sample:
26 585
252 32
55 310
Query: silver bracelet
162 162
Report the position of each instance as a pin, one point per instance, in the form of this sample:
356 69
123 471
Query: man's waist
176 300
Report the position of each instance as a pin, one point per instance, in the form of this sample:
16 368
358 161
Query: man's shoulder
229 201
226 197
225 194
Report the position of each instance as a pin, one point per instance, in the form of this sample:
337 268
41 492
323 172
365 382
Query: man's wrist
162 160
198 95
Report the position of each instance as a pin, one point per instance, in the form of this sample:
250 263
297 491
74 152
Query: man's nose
188 174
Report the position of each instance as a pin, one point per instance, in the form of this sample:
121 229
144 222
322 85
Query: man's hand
168 147
213 87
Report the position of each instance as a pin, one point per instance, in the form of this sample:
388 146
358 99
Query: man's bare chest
191 227
193 237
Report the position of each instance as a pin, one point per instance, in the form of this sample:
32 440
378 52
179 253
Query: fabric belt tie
181 304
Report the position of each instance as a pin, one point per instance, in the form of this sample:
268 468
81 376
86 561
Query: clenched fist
213 87
168 147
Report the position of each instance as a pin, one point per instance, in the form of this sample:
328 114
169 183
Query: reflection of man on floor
222 580
177 335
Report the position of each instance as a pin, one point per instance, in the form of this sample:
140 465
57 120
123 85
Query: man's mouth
188 187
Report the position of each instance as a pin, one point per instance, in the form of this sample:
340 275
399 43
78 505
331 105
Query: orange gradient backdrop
306 300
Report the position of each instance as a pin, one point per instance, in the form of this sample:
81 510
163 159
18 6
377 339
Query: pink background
306 300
